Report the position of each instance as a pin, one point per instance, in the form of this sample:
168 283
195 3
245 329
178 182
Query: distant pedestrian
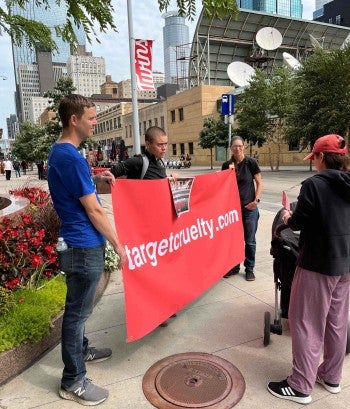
40 166
17 168
8 168
24 166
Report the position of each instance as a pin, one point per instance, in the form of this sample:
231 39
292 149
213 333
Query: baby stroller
285 250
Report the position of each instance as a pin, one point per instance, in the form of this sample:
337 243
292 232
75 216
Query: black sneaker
249 275
330 387
232 272
97 355
284 391
84 392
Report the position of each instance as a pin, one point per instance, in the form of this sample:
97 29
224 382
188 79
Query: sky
114 47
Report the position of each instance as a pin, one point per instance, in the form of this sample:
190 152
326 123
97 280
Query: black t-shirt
245 172
132 168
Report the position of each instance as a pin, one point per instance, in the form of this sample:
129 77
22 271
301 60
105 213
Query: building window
293 146
173 116
130 131
182 148
162 122
144 127
174 149
155 121
149 122
190 148
126 132
330 20
338 19
181 114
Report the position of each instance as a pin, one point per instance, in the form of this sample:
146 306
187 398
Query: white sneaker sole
71 396
331 389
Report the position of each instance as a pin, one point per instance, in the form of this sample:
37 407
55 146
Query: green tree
93 15
321 99
27 143
214 133
263 108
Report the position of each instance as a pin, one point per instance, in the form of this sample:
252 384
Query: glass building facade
289 8
176 49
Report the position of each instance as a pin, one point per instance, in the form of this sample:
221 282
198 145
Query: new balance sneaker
330 387
84 392
97 355
284 391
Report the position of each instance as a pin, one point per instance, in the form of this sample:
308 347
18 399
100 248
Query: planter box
16 360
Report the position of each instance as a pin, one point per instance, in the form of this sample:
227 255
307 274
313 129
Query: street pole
135 112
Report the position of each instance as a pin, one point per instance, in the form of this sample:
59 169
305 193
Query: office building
87 72
289 8
335 12
23 55
319 8
176 49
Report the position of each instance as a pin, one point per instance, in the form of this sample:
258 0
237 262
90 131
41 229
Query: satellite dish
346 42
240 73
268 38
315 43
291 61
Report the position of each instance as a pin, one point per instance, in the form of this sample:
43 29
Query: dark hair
152 132
73 104
338 161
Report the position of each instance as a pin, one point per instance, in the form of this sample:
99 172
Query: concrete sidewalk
227 321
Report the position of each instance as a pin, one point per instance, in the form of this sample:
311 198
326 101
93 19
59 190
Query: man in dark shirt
156 142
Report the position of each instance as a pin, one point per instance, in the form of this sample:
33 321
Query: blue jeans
83 268
250 225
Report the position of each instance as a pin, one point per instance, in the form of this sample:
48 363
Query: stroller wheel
267 321
347 350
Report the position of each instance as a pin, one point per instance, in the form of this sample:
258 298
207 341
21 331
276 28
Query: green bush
28 318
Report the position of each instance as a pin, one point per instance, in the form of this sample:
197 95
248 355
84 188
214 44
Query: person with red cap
319 300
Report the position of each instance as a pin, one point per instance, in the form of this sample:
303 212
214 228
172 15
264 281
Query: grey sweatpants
318 316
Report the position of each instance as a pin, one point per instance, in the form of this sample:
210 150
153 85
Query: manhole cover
193 380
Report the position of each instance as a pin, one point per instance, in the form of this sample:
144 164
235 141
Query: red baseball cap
328 143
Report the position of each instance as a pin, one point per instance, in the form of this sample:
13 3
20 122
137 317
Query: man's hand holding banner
172 260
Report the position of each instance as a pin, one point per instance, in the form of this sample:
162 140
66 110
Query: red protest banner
143 65
172 260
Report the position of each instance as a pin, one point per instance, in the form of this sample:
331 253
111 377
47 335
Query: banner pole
135 111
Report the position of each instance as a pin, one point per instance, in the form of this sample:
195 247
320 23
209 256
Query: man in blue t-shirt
85 228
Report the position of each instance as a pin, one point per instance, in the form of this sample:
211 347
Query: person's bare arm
99 219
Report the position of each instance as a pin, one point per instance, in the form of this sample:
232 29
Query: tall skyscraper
23 55
289 8
176 49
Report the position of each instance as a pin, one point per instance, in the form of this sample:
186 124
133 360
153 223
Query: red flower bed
27 242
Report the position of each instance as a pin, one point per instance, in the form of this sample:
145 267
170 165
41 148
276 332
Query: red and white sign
143 65
172 260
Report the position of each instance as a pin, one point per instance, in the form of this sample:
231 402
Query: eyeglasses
237 146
